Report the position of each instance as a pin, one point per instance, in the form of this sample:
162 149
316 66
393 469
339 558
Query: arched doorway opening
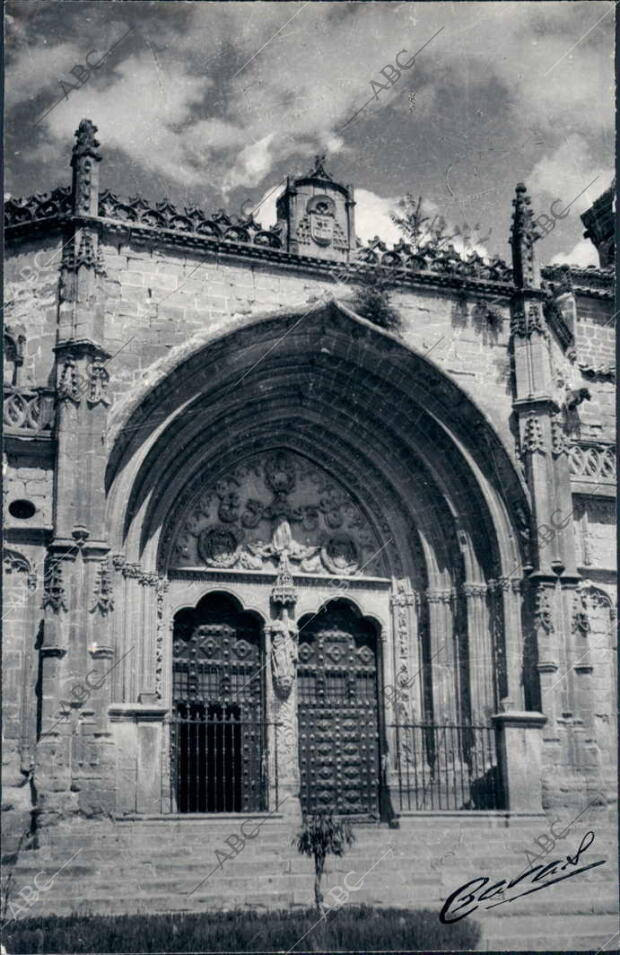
399 493
217 732
338 711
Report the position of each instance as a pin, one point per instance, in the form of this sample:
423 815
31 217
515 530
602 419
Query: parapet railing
28 410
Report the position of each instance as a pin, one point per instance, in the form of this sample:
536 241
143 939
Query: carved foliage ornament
525 322
14 562
54 596
543 613
532 436
104 601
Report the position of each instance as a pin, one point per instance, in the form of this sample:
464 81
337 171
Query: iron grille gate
447 767
338 721
218 744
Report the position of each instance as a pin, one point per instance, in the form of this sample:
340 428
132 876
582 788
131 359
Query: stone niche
315 216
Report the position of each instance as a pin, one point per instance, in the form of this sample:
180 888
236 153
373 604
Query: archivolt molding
339 325
163 413
361 474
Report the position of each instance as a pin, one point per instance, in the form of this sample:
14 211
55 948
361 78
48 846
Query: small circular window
22 510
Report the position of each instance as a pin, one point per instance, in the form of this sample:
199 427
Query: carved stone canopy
277 511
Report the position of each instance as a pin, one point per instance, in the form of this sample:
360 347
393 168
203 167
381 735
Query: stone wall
31 277
156 300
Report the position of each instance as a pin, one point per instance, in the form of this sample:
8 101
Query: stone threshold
461 816
469 814
198 816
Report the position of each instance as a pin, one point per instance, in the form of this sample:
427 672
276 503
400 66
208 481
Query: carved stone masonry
524 323
98 379
104 600
13 562
580 623
87 256
403 598
543 614
559 443
524 235
53 589
532 437
162 588
475 590
283 634
85 155
283 631
68 387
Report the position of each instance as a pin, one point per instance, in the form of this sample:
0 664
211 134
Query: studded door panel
338 731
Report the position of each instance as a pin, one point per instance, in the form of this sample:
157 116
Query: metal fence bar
451 766
214 759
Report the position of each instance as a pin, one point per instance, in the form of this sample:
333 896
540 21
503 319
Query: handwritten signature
480 891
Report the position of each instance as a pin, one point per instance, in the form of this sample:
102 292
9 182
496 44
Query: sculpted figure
283 655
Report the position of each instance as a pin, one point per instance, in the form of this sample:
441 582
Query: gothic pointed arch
422 487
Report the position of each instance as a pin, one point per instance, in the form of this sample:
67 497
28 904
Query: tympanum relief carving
242 520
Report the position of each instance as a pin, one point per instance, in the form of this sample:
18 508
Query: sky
213 104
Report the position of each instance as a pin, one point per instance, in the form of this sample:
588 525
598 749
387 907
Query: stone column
545 608
514 651
405 700
482 660
53 756
281 648
443 656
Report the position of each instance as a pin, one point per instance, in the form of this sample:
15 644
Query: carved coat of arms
322 227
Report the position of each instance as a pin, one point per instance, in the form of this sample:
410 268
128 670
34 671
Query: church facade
264 557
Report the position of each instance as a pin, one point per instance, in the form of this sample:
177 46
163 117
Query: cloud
131 118
570 174
372 217
224 92
583 254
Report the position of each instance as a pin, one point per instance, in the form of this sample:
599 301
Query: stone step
518 933
537 943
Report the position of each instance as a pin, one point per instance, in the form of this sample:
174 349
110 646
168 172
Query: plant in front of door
322 834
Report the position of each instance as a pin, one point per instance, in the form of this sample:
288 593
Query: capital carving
404 596
440 596
475 590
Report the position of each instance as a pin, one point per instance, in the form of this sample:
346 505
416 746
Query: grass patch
351 928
